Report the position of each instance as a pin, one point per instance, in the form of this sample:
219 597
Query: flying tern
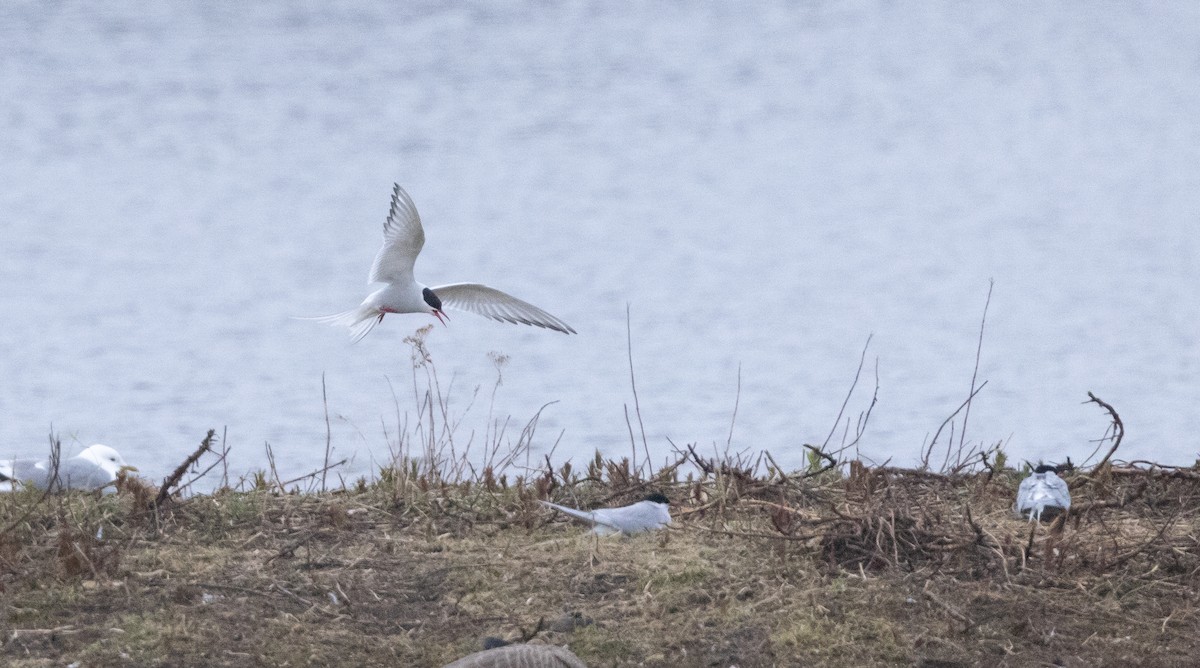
646 515
1043 490
403 238
96 466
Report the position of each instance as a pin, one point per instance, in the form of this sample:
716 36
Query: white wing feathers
95 467
601 525
1040 491
403 239
1057 491
636 518
492 303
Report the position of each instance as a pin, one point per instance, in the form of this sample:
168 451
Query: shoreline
880 566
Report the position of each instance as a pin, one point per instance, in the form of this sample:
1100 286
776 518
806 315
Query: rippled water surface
764 186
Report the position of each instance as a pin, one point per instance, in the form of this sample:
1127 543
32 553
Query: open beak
442 317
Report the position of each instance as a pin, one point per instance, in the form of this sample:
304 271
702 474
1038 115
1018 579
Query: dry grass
840 564
880 567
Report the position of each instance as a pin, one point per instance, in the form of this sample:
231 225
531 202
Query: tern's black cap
431 299
658 498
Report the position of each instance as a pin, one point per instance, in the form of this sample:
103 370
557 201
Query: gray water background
765 184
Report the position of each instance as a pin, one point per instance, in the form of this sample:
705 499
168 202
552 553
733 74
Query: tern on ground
96 466
646 515
1043 490
403 238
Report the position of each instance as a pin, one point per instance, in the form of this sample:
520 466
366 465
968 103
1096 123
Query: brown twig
1117 503
915 473
964 404
1130 554
861 360
755 534
164 492
637 406
1158 471
736 400
962 437
833 463
319 472
1118 427
290 549
949 609
55 454
864 417
328 431
820 453
526 636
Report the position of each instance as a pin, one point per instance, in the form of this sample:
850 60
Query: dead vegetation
841 563
872 566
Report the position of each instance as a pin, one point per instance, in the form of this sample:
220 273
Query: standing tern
403 238
646 515
1043 490
96 466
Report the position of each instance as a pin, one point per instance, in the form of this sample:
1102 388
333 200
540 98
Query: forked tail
361 320
585 515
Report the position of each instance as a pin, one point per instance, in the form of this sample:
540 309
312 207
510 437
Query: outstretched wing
497 305
403 238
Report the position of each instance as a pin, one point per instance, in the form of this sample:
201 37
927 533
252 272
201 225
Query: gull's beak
442 317
127 468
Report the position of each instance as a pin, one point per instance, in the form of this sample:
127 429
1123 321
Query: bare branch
1118 426
975 372
637 407
961 406
164 492
838 420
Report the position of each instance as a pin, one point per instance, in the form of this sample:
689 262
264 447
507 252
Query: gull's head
106 458
435 305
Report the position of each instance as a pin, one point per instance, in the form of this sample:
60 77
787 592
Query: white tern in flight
403 238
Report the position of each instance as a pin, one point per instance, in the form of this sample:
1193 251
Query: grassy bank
847 566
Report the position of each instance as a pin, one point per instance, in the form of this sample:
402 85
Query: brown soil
881 567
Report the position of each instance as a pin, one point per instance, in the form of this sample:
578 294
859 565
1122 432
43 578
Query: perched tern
646 515
96 466
403 238
1043 490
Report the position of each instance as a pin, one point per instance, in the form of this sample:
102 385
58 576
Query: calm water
764 185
